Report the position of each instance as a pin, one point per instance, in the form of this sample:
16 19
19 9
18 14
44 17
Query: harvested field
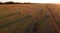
29 18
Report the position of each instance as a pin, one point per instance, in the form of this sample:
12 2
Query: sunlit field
30 18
